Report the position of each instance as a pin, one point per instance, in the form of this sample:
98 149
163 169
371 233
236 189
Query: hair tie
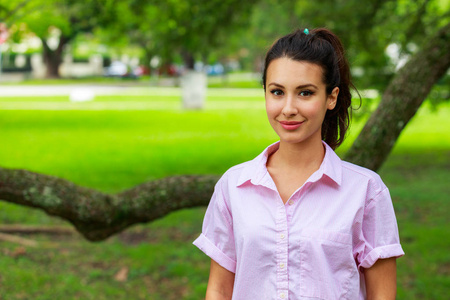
306 31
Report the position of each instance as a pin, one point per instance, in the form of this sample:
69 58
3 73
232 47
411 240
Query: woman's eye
306 93
277 92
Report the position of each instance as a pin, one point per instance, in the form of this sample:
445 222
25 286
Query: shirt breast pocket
327 267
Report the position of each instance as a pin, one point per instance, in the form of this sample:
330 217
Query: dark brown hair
322 47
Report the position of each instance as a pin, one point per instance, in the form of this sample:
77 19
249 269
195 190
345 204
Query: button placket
282 251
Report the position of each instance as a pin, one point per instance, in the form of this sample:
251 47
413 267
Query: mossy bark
98 215
400 101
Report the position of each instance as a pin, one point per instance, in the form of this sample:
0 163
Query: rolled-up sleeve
217 239
379 236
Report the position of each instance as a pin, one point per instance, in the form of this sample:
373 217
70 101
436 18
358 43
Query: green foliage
56 23
12 10
365 27
269 20
69 17
368 27
181 30
168 28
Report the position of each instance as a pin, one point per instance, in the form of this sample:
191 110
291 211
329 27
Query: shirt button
282 296
291 202
281 266
282 236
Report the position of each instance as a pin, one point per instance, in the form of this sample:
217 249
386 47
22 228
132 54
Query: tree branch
401 100
18 240
14 10
97 215
32 229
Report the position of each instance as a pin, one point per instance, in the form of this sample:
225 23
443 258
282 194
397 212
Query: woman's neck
300 156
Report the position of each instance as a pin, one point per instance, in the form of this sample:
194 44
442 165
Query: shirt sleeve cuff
387 251
204 244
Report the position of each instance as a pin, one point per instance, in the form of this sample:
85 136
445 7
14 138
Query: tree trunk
188 59
53 58
400 101
97 215
149 53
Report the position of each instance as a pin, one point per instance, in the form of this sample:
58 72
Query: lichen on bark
98 215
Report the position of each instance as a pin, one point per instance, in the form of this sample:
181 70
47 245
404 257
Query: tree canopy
194 29
190 29
366 29
60 20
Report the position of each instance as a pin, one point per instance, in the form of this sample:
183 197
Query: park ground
118 141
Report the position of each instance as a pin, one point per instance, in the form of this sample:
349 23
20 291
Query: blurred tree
11 10
269 20
366 28
97 215
57 22
190 29
196 27
400 101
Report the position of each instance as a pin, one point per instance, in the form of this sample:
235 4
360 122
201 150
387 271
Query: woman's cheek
314 109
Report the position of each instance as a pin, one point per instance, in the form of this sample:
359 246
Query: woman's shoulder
362 174
243 172
235 172
359 171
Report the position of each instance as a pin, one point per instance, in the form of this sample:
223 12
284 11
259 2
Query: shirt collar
256 171
332 165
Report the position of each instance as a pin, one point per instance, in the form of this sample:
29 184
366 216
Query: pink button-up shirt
312 247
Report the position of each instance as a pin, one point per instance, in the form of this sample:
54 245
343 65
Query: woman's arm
381 280
220 284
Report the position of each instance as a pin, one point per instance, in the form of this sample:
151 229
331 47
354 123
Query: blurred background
112 93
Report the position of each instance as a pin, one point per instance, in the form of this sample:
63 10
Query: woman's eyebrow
305 86
276 84
297 88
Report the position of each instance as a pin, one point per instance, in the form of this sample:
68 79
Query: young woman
296 222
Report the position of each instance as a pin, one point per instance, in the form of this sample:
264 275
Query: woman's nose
289 108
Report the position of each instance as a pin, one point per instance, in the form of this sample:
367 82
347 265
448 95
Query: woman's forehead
291 71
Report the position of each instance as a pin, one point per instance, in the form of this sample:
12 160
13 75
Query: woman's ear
332 98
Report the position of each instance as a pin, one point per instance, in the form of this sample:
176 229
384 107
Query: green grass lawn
116 142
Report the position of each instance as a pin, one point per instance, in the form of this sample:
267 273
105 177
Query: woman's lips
290 125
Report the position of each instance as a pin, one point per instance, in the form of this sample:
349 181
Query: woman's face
296 99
